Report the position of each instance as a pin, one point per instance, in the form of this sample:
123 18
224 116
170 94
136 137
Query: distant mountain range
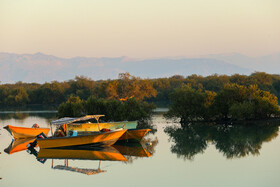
45 68
268 63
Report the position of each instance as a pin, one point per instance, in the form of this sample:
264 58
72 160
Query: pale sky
140 28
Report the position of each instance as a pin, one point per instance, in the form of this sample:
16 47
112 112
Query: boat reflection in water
132 149
106 153
135 150
18 145
79 170
120 153
100 153
234 141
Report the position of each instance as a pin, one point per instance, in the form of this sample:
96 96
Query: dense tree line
126 86
214 83
233 102
54 93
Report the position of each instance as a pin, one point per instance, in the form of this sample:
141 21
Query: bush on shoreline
233 102
113 109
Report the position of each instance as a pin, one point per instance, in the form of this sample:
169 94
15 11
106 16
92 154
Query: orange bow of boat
25 132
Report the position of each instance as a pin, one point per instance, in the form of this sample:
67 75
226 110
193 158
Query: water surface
177 155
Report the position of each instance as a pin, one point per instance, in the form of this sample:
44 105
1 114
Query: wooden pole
99 165
97 118
51 130
66 130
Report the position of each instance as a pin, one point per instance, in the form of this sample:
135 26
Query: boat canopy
67 120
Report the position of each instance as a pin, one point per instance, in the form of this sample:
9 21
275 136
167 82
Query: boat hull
94 126
100 139
134 135
25 132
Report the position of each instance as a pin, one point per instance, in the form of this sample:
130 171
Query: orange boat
135 135
81 128
25 132
93 139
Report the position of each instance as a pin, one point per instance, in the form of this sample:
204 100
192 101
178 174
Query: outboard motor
33 144
41 136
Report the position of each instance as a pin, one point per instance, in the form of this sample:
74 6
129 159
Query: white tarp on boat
67 120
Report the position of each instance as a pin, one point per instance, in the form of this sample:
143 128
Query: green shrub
114 110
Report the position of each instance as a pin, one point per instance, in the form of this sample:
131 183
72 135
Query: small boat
93 139
68 138
132 134
25 132
135 135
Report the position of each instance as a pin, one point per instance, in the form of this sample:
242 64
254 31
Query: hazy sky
140 28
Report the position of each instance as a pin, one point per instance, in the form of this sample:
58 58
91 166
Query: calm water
192 155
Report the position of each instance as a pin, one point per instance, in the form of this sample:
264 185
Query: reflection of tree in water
233 141
24 115
189 140
20 116
147 124
240 141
